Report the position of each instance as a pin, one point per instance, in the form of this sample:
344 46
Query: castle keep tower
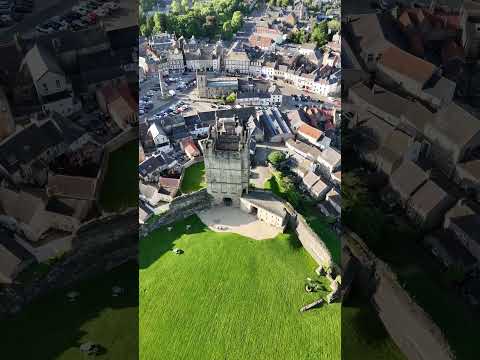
227 161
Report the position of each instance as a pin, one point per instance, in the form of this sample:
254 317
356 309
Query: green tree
231 98
143 29
227 30
320 33
176 7
185 5
285 3
160 22
276 157
237 21
334 25
354 191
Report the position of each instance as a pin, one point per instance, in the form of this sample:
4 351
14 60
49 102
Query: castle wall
412 329
311 241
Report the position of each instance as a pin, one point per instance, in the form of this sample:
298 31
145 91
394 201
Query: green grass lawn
53 328
314 218
230 297
120 186
194 178
363 334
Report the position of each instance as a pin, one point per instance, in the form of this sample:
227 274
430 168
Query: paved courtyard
232 219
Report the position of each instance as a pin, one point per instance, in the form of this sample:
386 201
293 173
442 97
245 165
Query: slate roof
267 201
40 61
28 144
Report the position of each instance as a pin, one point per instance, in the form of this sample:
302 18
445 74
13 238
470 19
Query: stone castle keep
227 161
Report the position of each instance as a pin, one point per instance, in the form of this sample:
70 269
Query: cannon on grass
313 285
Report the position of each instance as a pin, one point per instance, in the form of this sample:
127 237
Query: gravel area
232 219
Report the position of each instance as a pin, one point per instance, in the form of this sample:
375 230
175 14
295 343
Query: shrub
276 157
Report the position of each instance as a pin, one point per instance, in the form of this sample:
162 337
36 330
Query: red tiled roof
260 41
407 64
168 183
189 147
310 131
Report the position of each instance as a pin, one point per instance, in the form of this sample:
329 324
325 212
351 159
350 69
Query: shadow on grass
161 241
293 240
50 326
365 321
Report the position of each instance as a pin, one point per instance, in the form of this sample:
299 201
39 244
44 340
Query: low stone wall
188 164
180 208
312 242
412 329
114 144
122 139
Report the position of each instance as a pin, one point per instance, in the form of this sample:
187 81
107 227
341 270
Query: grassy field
53 328
194 178
120 186
363 334
315 219
230 297
420 274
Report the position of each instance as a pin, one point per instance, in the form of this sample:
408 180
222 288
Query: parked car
45 28
90 18
7 19
80 10
110 5
61 21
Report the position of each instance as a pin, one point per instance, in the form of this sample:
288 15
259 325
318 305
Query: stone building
469 18
215 87
227 160
266 207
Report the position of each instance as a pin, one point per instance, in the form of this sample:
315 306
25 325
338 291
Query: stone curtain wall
312 242
117 142
412 329
181 207
189 163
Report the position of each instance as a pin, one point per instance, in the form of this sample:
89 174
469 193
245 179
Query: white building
53 89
